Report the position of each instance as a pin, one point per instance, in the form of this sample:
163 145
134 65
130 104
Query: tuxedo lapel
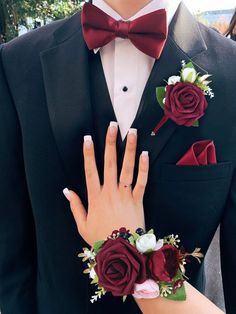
184 43
102 108
66 80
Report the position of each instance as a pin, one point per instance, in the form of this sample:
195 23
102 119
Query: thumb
77 208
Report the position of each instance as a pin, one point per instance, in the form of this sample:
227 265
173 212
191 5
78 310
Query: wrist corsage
138 264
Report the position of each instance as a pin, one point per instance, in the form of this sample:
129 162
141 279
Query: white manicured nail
132 136
88 138
113 128
114 123
66 192
88 141
133 131
144 155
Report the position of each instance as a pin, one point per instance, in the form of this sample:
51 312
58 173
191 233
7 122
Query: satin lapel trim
151 113
102 108
66 81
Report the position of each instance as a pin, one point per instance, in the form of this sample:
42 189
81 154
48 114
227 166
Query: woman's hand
115 204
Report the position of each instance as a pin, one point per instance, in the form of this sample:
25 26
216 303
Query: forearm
196 303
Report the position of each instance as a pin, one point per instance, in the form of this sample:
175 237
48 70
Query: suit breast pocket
187 200
170 172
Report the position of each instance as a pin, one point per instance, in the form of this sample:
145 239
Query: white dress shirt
126 68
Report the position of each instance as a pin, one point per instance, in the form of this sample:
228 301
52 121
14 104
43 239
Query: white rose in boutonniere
189 75
146 242
173 80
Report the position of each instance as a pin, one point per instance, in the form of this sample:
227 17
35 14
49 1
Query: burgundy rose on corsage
119 266
138 264
163 264
184 98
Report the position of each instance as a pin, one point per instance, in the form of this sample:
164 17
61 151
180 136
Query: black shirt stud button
125 89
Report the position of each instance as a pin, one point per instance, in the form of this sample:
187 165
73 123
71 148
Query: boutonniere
183 99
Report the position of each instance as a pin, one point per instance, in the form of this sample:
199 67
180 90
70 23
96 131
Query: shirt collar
170 6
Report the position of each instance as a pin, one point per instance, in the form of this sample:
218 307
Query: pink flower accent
147 290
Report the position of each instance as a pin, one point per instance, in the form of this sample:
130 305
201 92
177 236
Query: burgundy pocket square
201 153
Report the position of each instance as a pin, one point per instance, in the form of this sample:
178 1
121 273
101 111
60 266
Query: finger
141 183
91 173
77 208
110 159
127 172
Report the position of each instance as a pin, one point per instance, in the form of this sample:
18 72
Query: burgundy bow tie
148 33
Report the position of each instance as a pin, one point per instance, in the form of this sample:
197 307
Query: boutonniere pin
183 99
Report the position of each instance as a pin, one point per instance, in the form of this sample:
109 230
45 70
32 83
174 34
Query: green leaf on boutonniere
94 281
97 246
86 271
161 94
189 65
196 124
202 86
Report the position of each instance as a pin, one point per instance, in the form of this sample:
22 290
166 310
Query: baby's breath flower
98 294
87 255
183 63
172 240
165 290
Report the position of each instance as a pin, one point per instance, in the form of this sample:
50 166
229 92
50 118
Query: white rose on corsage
174 79
146 242
159 245
189 75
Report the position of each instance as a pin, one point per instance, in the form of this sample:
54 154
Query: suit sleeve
228 250
17 233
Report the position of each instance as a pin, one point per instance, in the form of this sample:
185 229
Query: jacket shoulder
27 46
37 36
217 44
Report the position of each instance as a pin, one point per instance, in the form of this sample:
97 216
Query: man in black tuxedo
53 92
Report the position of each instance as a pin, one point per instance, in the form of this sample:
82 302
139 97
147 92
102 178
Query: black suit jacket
52 93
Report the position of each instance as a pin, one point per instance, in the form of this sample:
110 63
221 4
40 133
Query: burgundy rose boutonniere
184 98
